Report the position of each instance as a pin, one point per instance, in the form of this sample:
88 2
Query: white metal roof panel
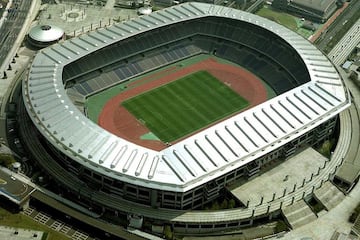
197 159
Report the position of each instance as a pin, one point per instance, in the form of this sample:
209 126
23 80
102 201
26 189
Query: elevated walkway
298 214
350 169
356 227
329 195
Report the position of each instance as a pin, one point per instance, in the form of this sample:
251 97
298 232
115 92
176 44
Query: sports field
188 104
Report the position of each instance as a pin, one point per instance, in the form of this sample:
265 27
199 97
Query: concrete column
153 198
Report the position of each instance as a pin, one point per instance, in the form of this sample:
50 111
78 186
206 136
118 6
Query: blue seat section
245 44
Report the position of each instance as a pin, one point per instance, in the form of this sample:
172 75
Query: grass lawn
292 22
183 106
278 17
19 220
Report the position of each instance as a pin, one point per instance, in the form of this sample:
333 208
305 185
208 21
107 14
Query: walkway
281 179
336 219
328 23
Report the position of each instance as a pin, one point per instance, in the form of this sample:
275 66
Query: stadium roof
202 157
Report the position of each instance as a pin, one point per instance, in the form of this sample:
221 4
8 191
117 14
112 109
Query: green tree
168 232
6 160
224 204
280 226
326 148
231 203
215 206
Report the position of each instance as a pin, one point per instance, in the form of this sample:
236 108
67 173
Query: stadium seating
257 50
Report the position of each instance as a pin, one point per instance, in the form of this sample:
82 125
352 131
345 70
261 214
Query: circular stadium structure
193 170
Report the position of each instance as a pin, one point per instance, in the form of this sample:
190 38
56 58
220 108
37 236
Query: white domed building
45 35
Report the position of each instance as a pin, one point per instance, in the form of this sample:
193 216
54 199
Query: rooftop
46 33
184 165
320 5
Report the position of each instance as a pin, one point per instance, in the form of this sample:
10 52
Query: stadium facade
104 170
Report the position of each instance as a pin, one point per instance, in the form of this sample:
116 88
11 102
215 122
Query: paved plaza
10 233
280 179
82 18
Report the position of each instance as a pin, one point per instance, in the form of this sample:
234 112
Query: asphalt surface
346 45
12 26
338 24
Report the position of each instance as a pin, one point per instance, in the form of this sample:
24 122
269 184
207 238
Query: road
346 45
338 24
12 27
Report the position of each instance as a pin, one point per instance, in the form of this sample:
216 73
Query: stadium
264 93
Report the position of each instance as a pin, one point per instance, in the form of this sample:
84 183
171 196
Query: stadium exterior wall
167 185
199 196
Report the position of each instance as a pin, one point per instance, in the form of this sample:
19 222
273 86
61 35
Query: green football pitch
181 107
